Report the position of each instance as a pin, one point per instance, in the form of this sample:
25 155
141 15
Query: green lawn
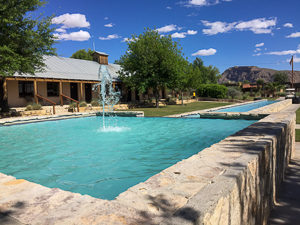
297 135
176 109
298 116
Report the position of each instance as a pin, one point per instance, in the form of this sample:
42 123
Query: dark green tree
83 54
205 74
280 78
24 39
152 62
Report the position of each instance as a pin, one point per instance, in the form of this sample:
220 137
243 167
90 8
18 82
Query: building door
74 90
88 93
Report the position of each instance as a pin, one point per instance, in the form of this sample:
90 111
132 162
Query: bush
28 107
73 105
36 106
33 106
234 93
212 91
246 96
82 104
95 103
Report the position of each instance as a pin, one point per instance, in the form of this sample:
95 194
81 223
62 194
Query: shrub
212 91
82 104
33 106
95 103
246 96
234 93
72 105
36 106
28 107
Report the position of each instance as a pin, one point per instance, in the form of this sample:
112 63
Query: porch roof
72 69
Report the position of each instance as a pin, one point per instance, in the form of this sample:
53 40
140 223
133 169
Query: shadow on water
167 213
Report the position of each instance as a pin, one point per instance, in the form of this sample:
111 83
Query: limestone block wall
233 182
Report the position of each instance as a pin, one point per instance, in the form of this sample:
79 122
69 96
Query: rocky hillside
253 73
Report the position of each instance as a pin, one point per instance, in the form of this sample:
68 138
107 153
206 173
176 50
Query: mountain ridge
253 73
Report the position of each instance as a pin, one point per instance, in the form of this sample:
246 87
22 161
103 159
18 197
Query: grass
298 116
297 135
176 109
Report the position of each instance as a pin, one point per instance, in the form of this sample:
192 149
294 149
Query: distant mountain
253 73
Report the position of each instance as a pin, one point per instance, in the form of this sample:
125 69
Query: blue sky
224 33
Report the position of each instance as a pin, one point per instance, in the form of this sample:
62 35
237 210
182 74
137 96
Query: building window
26 88
52 89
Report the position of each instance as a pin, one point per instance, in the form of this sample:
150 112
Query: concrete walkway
288 209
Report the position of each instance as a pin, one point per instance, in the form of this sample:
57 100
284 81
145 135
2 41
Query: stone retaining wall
233 182
275 107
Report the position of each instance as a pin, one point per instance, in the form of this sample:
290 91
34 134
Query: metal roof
101 53
72 69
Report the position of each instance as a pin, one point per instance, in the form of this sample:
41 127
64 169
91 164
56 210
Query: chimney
100 57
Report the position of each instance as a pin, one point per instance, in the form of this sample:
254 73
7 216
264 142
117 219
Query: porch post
35 92
4 104
81 91
60 94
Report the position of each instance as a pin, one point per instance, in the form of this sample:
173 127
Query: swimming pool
246 107
77 156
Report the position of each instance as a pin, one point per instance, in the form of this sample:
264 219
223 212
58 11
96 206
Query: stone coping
35 119
212 109
232 182
254 114
275 107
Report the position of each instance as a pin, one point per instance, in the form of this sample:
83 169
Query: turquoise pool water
77 156
246 107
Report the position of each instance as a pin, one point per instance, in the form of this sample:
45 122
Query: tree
185 77
207 75
24 39
83 54
280 78
151 61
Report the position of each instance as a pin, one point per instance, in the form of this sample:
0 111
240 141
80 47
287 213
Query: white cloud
110 37
179 35
257 26
258 54
184 34
167 28
289 25
257 49
74 36
200 3
294 35
109 25
205 52
217 27
169 7
192 32
61 30
260 44
106 18
129 39
71 20
296 60
286 52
